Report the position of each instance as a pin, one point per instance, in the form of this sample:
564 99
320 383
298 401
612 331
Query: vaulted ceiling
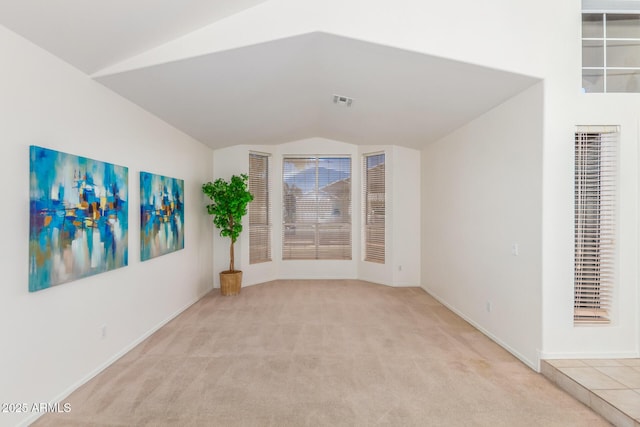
265 93
92 35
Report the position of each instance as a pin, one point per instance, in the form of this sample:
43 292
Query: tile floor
611 387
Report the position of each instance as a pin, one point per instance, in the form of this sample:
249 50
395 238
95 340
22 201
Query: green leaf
229 204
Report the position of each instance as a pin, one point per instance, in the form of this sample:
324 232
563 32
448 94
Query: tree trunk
231 263
231 257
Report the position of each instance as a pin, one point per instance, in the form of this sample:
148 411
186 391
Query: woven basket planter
230 282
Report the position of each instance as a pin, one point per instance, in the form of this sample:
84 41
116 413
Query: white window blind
374 207
316 208
259 209
595 225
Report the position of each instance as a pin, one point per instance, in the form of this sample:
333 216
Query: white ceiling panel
283 90
92 35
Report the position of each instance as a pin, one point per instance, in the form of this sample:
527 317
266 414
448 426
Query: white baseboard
60 397
405 285
589 355
315 277
533 364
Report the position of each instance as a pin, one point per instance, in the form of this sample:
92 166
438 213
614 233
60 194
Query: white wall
51 339
481 195
403 241
566 107
406 214
620 339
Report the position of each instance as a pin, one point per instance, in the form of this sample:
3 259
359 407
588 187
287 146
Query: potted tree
229 204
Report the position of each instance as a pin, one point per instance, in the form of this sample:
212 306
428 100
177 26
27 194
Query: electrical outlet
488 306
103 331
515 249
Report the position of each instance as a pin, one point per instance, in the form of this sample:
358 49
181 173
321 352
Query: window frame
374 218
608 43
595 222
260 222
318 238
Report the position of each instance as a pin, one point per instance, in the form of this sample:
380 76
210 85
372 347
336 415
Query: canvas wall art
161 215
78 217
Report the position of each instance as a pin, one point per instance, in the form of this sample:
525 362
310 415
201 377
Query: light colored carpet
320 353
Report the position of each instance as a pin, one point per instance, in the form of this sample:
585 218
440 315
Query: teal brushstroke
161 215
67 207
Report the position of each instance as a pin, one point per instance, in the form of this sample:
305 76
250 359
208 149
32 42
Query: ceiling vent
342 100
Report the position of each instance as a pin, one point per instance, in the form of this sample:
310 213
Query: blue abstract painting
161 215
78 217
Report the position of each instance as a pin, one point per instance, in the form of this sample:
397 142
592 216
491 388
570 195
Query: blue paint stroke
161 215
78 217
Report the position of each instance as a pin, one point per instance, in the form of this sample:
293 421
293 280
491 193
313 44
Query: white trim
616 39
374 153
317 276
533 364
610 6
598 128
314 156
260 153
617 12
544 355
63 395
612 68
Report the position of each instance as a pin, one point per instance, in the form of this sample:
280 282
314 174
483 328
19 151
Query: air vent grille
345 101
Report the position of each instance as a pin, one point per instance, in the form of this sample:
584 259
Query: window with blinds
595 225
259 209
316 208
374 207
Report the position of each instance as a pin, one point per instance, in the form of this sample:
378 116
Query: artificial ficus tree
229 204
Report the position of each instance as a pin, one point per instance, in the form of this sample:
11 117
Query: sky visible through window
301 173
